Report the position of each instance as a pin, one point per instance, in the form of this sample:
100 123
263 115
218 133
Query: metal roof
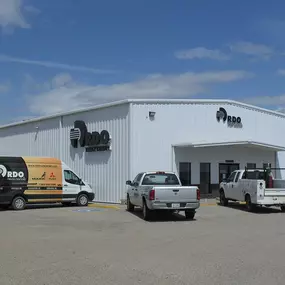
148 101
248 143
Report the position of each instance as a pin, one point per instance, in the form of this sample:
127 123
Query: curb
95 205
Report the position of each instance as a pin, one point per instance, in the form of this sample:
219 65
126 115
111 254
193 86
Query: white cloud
200 53
267 101
281 72
66 94
251 49
50 64
11 15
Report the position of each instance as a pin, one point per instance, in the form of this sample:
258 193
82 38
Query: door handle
65 185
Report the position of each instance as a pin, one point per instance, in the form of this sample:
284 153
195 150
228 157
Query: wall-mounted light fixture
151 114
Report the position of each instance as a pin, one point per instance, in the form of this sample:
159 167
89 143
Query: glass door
225 170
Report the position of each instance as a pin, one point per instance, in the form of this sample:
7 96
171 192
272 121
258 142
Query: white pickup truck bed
157 191
254 192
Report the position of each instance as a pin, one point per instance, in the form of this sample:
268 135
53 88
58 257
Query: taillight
152 194
198 194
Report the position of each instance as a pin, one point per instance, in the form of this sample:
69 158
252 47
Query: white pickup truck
161 191
256 187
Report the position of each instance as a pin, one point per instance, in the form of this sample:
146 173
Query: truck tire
223 200
18 203
189 214
249 206
82 200
146 211
282 208
130 206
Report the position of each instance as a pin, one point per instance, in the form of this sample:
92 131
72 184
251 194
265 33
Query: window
185 173
138 178
160 179
237 177
71 178
256 175
265 165
231 177
205 177
251 165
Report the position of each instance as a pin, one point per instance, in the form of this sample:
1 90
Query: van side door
71 185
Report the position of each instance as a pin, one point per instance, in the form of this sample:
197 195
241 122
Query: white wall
193 123
216 155
105 171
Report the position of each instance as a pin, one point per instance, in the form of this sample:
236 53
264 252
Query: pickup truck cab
162 191
256 187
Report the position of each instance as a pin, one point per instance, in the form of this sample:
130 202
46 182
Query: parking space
96 245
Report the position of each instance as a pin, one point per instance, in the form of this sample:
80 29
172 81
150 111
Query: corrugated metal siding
35 139
105 171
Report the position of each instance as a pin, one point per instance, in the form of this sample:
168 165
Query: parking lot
70 245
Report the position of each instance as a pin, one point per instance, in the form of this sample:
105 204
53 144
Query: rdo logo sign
10 174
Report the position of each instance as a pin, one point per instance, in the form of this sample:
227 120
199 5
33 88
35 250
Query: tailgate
176 194
276 192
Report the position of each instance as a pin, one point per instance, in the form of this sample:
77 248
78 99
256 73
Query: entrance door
225 170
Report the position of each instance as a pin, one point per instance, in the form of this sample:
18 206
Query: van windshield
160 179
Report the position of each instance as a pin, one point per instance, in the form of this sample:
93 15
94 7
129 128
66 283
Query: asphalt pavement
70 245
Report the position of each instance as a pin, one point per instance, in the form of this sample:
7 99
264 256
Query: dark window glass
71 178
231 177
251 165
160 179
185 173
205 177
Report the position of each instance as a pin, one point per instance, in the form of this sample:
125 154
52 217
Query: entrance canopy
252 144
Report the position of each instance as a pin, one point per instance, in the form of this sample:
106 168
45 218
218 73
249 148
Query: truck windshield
160 179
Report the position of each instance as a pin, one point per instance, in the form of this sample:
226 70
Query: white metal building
202 140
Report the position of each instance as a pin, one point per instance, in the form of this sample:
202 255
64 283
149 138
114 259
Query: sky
60 55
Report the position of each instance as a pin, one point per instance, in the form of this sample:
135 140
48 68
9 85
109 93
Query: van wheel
19 203
82 200
223 200
130 206
146 212
189 215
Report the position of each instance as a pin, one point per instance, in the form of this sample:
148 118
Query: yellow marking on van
43 192
44 200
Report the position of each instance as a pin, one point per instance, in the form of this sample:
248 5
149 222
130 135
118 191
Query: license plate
175 205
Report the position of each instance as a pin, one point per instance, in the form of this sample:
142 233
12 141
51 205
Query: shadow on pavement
258 210
161 216
40 206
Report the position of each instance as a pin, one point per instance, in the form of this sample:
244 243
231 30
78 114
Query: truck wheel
130 206
189 215
146 212
82 200
250 207
282 208
18 203
223 200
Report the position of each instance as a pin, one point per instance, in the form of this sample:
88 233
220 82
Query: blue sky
61 55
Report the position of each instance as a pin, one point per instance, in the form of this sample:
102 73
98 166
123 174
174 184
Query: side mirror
136 184
128 182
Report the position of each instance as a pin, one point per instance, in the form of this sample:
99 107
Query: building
201 140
